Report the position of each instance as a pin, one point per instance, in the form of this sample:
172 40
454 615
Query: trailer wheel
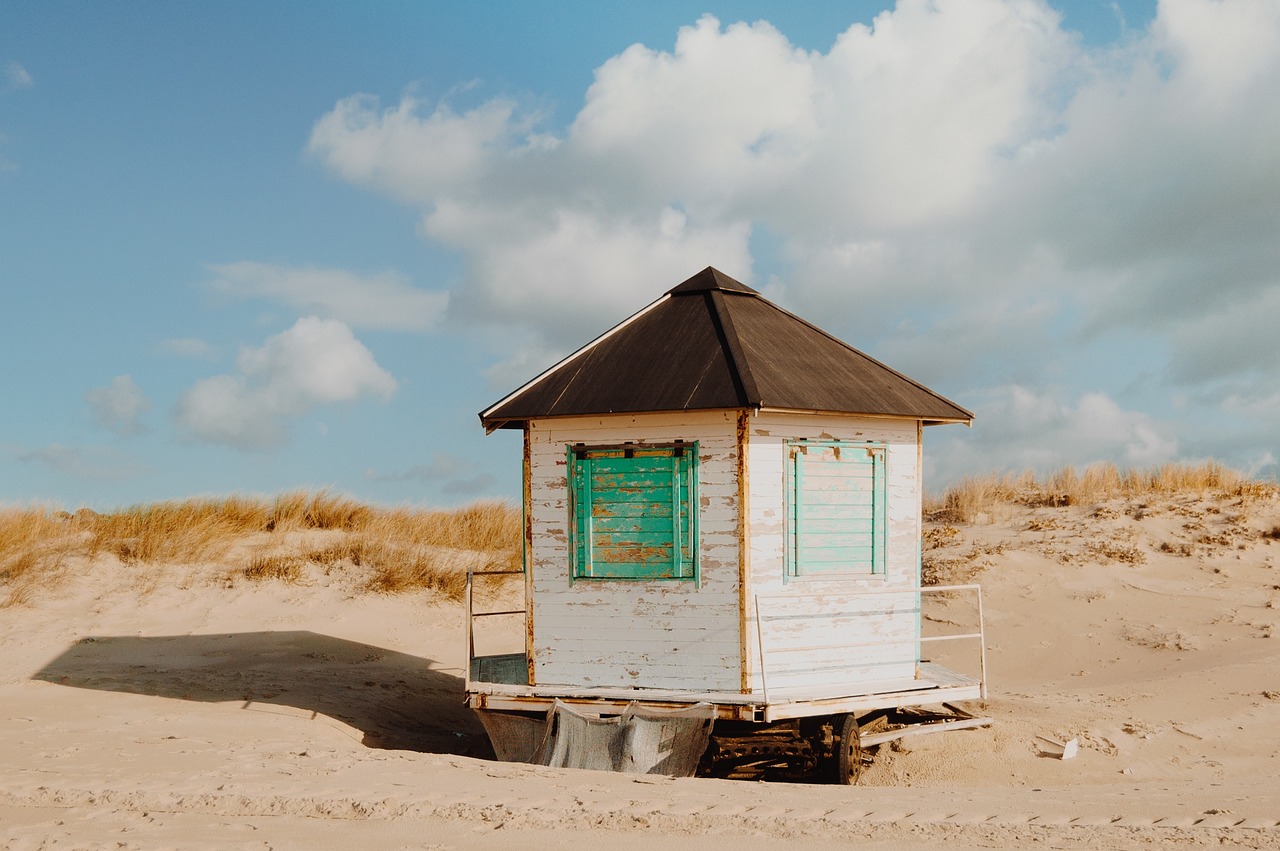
848 747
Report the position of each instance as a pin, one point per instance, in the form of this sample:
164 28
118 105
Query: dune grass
400 549
972 497
34 544
392 550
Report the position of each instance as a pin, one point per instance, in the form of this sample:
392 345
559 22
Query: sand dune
145 707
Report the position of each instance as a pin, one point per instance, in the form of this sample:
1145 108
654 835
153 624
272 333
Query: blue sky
251 247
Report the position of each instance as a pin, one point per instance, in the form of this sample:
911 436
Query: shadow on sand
395 700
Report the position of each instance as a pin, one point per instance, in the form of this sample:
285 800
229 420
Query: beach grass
971 498
391 549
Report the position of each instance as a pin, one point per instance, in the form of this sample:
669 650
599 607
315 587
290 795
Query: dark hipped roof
713 342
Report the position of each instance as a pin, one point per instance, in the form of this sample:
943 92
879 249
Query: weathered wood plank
767 456
589 628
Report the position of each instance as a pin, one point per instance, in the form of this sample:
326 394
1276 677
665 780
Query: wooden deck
499 682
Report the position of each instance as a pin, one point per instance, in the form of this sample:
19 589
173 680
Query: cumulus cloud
119 406
1026 429
409 155
384 300
961 186
676 156
574 269
316 362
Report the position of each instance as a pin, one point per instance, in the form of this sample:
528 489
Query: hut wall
803 617
665 634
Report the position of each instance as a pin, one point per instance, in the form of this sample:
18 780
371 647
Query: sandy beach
167 706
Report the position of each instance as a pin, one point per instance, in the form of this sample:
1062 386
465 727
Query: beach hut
722 515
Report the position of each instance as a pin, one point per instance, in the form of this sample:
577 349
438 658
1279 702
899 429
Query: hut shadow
392 699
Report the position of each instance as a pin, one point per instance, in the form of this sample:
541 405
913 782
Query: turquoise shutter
836 515
632 513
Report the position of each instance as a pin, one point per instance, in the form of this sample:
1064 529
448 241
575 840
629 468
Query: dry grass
974 497
283 567
424 549
400 549
181 532
394 549
322 510
33 548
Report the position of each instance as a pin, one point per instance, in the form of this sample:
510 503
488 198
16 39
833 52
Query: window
632 512
835 502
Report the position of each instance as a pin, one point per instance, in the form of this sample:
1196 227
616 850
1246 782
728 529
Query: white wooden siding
816 612
668 634
675 634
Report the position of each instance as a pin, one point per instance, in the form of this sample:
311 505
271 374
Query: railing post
764 676
471 640
982 644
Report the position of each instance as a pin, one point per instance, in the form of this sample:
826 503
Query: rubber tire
848 761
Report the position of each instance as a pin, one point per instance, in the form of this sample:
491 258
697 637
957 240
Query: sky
256 247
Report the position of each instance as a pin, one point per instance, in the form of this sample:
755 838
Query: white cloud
1221 47
923 108
317 362
568 272
407 155
724 109
16 77
1018 429
961 183
675 154
385 300
120 405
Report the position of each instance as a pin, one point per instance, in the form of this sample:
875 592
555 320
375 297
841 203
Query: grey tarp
642 740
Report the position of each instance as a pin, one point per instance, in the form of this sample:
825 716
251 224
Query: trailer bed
500 683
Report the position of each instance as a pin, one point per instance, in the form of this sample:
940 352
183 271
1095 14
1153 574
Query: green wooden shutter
633 514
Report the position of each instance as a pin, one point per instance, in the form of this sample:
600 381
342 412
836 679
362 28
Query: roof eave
493 424
485 419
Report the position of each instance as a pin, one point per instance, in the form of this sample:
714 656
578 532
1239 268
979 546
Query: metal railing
915 640
472 614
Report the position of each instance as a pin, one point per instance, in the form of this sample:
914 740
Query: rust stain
743 551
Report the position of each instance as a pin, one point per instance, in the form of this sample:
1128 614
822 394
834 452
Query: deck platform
501 683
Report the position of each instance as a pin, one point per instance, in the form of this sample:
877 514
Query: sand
169 707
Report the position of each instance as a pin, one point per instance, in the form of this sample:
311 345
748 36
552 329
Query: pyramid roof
715 343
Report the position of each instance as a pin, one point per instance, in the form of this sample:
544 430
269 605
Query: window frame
684 564
796 449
